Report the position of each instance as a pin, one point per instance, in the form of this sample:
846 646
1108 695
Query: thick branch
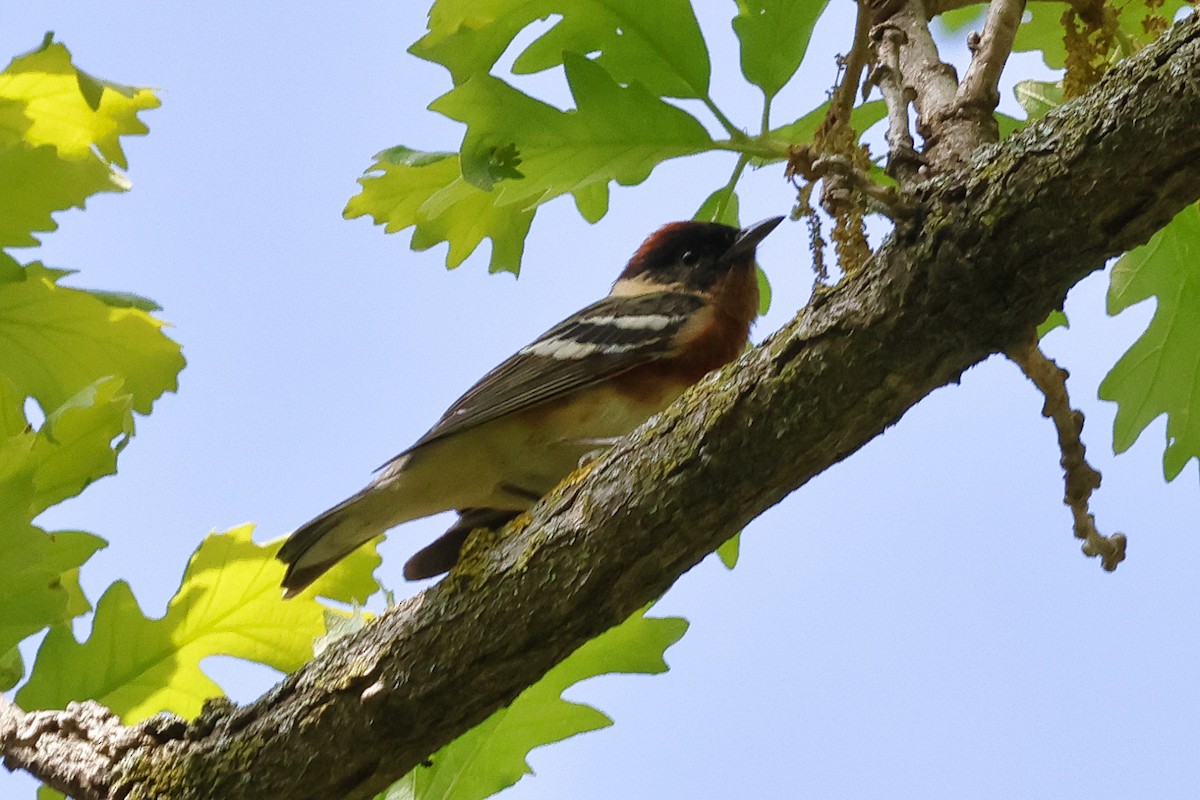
998 247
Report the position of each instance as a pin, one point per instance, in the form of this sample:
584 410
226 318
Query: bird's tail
317 545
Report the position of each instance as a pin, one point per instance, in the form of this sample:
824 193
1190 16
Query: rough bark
996 248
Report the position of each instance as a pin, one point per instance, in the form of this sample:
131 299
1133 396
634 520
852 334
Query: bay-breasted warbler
681 308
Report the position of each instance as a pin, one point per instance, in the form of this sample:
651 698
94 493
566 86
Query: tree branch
1079 477
931 83
73 750
979 93
997 247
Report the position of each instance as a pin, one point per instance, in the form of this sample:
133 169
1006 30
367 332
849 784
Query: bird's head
691 256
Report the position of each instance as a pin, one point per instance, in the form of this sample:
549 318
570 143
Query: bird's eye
690 258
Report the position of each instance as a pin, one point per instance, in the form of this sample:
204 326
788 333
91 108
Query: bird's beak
749 237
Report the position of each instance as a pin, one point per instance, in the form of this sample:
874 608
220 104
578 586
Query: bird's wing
605 339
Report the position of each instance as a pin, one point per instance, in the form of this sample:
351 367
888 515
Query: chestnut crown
696 254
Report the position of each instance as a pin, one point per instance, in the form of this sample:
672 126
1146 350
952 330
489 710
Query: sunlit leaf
60 132
426 191
55 340
229 603
658 44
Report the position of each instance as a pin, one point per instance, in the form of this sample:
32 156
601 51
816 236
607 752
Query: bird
682 307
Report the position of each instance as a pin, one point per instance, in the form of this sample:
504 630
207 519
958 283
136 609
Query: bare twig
904 163
979 92
844 94
1078 475
886 200
949 138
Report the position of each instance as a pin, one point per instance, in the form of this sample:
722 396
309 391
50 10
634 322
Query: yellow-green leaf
658 44
60 138
60 114
229 603
426 191
54 341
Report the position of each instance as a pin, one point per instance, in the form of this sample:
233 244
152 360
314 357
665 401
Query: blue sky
917 622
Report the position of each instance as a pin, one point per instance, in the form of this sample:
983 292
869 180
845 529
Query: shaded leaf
1057 319
773 37
1038 98
616 134
728 552
491 756
1160 373
1042 29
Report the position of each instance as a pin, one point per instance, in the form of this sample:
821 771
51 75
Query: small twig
949 139
979 93
886 200
1079 476
904 163
845 93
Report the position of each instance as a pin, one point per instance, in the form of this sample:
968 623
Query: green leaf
426 191
959 19
491 756
1007 125
54 341
38 468
60 133
47 87
36 182
77 444
720 206
1057 319
805 128
12 669
126 300
40 586
1038 98
773 37
1160 374
728 552
229 603
658 45
616 134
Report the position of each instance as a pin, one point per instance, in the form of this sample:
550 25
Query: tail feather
322 542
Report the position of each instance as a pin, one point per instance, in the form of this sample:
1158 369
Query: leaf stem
734 131
727 193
